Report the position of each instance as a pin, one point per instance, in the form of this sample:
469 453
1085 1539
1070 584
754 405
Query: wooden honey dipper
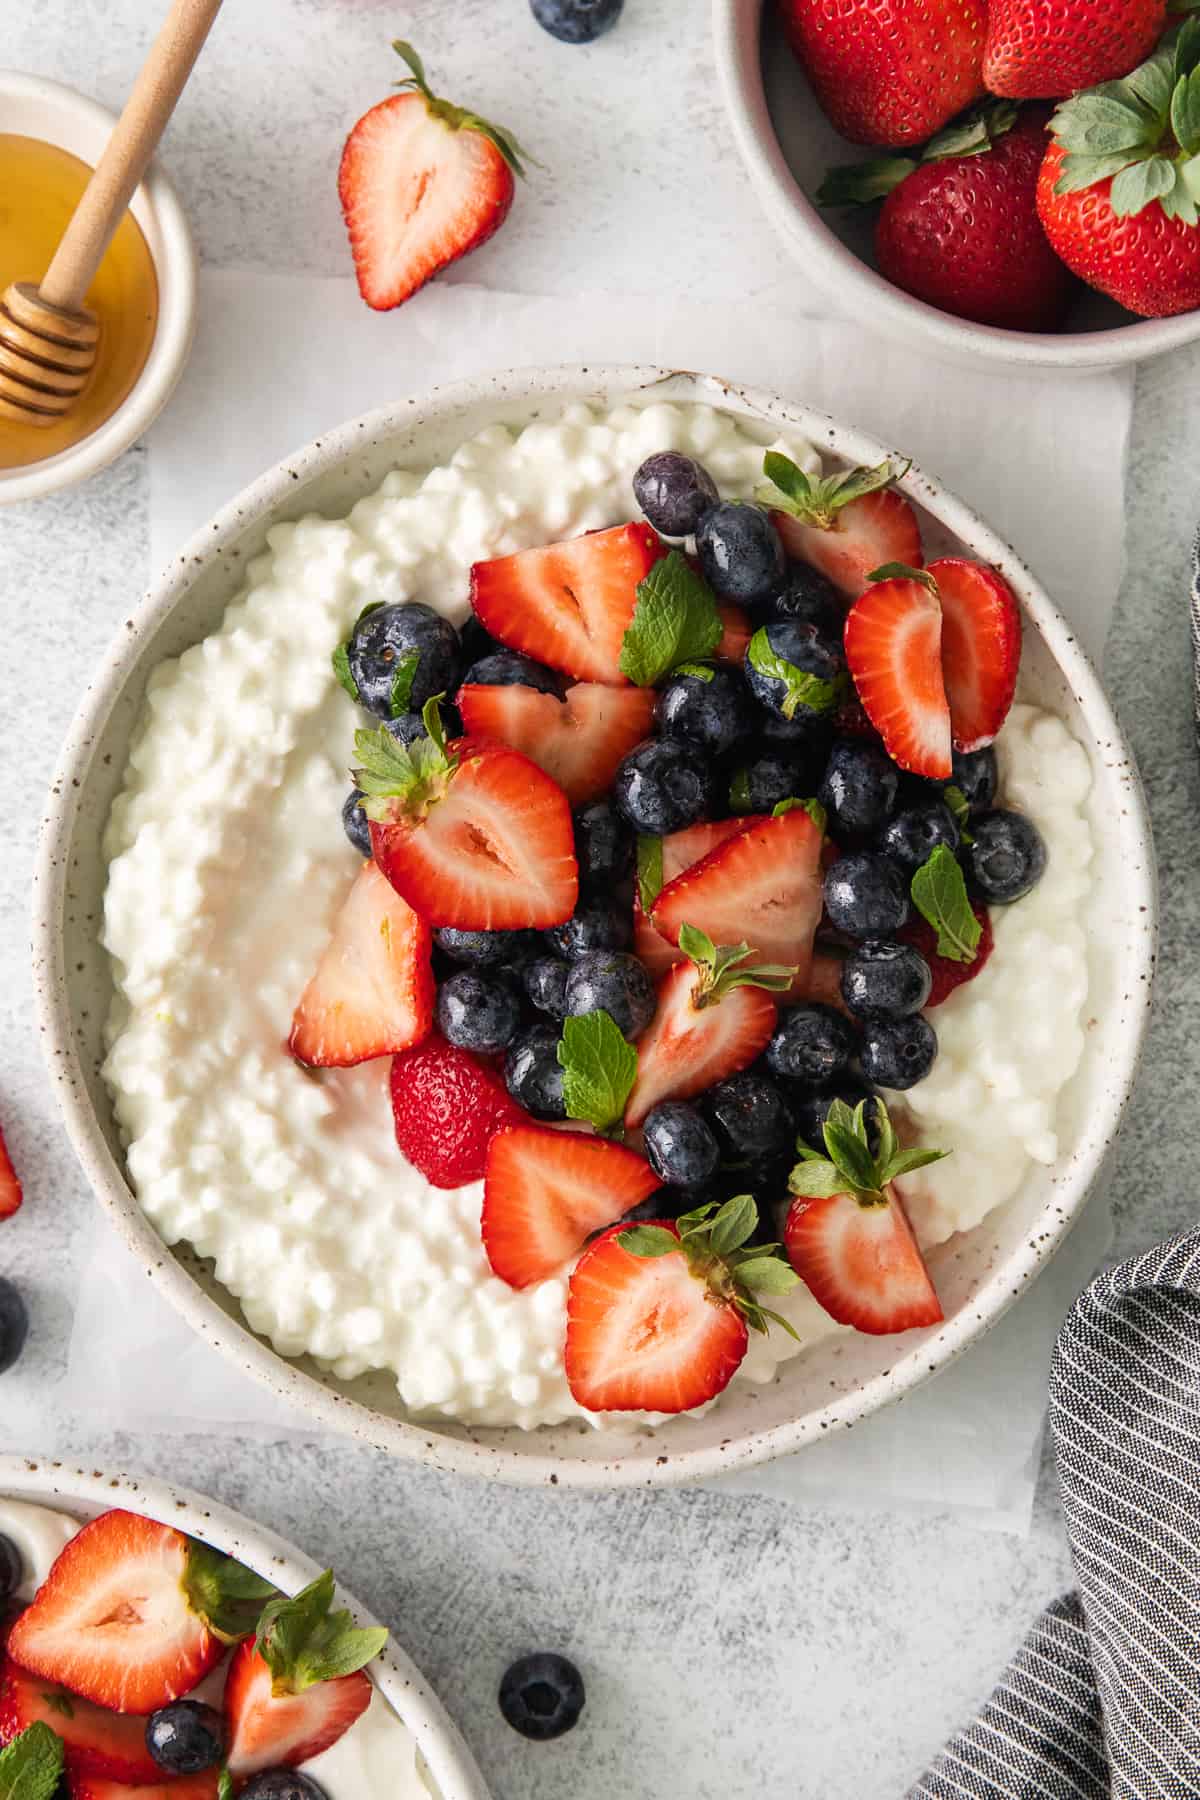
48 337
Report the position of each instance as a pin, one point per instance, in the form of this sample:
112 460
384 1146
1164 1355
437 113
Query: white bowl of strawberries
1025 197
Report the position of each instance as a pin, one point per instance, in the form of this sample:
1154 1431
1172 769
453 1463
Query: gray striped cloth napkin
1102 1702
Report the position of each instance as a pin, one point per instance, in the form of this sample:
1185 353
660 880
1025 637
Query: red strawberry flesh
981 648
95 1741
878 528
546 1191
686 1048
578 742
446 1107
10 1185
948 974
862 1262
893 649
269 1730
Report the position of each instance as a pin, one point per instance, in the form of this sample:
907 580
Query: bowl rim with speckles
838 1381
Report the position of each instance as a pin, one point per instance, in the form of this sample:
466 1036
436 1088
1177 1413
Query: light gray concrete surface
732 1646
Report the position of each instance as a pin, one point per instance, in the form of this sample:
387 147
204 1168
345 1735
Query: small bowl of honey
144 292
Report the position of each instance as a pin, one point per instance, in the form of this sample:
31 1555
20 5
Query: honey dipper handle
132 144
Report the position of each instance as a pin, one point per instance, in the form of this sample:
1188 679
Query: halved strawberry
269 1730
578 741
714 1016
545 1193
981 647
736 632
893 649
421 183
762 886
568 604
680 849
948 974
372 992
95 1741
844 524
113 1620
176 1787
10 1185
471 834
847 1235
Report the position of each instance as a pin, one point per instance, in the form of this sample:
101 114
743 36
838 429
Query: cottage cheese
377 1759
227 865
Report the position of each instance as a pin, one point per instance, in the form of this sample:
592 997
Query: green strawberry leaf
724 967
674 621
710 1240
599 1069
817 500
956 800
414 774
1135 187
859 184
849 1165
31 1766
303 1641
801 689
939 894
227 1595
225 1789
733 1224
768 1275
648 1240
649 871
813 808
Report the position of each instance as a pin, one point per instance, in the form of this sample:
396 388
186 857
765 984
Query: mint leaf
599 1069
701 671
800 688
940 895
400 692
648 1240
341 668
228 1596
303 1641
675 621
813 808
31 1766
649 871
956 800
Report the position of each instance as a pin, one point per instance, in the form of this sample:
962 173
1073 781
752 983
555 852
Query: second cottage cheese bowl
838 1380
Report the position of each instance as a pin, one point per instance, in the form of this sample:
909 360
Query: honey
40 186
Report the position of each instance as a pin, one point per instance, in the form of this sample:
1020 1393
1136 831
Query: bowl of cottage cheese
198 796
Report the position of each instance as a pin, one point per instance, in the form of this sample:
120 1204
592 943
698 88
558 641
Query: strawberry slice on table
300 1684
714 1016
663 859
659 1315
446 1108
763 885
578 741
569 604
421 183
847 1235
158 1787
10 1185
893 650
471 834
373 991
545 1193
981 647
844 524
95 1741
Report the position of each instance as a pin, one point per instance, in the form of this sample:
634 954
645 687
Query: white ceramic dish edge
339 464
88 1493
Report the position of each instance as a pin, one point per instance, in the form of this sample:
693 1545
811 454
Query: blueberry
976 777
598 924
486 949
663 785
858 789
713 709
866 895
679 1145
749 1116
809 598
810 1111
612 982
14 1324
897 1053
478 1012
541 1695
911 838
407 727
811 1044
385 637
545 983
505 668
476 642
576 22
282 1784
1007 857
533 1074
354 819
741 553
674 492
772 776
186 1737
805 735
805 648
11 1569
603 845
882 980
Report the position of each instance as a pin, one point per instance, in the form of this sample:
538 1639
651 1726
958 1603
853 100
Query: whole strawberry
1039 49
1118 189
890 71
960 228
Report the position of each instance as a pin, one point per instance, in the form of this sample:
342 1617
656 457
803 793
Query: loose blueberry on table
646 937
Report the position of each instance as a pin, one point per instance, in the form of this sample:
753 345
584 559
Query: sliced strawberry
269 1730
861 536
95 1741
680 849
112 1620
578 741
825 983
545 1193
893 649
421 183
947 974
373 991
736 632
862 1262
644 1334
981 647
10 1186
568 604
649 945
446 1107
472 835
177 1787
761 887
695 1039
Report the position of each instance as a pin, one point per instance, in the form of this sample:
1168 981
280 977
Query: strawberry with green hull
1040 49
660 860
578 741
847 1235
844 524
545 1192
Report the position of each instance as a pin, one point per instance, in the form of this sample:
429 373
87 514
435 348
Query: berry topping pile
671 852
96 1671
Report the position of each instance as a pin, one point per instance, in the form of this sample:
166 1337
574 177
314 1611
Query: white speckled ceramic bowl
787 145
978 1275
87 1493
